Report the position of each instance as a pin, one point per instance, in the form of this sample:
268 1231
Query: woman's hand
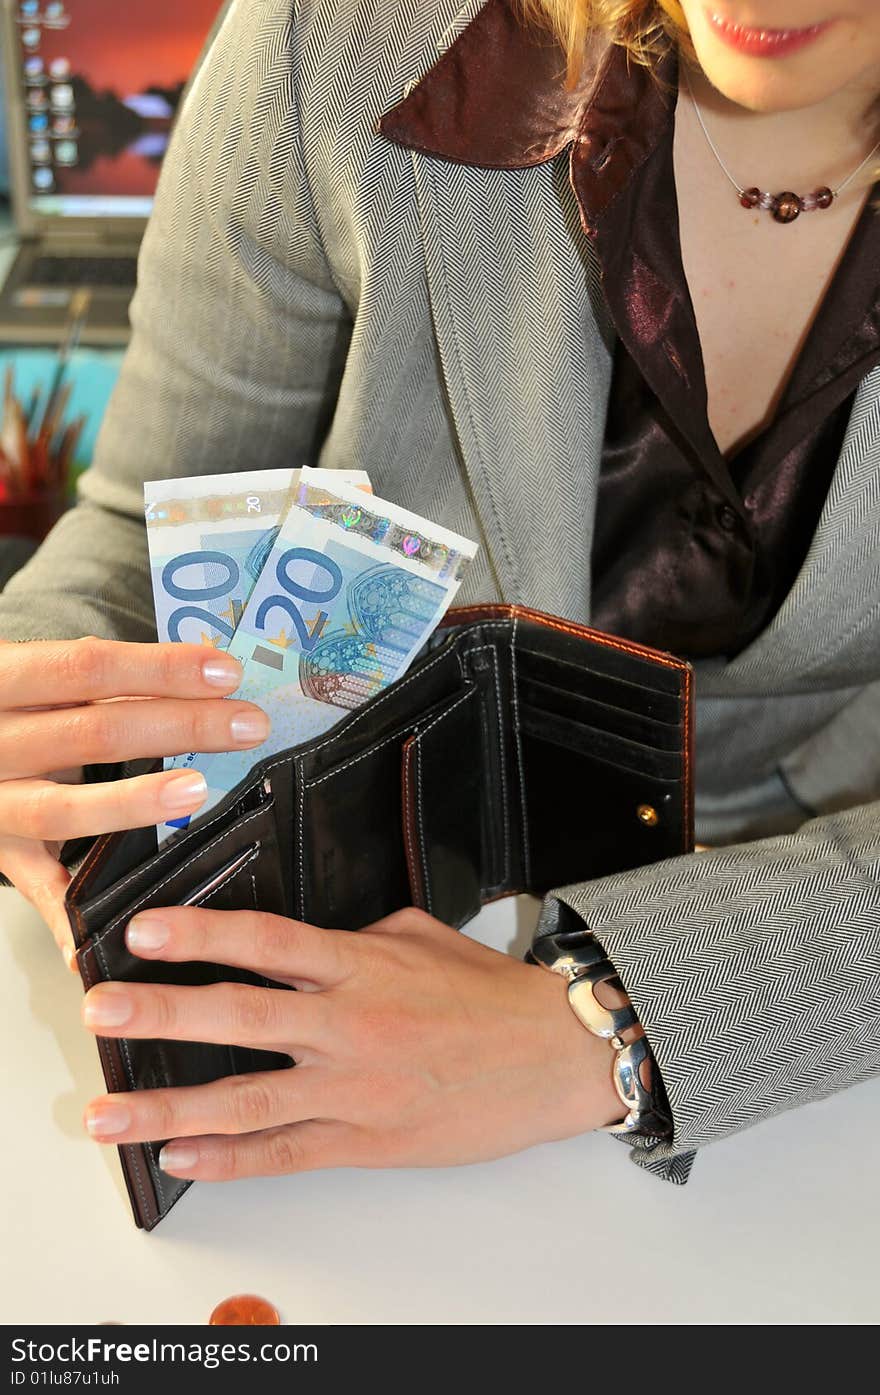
415 1047
60 707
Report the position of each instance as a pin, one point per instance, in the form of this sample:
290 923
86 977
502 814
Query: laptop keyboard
83 271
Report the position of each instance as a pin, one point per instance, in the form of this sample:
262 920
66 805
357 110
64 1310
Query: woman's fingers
39 876
274 1153
237 1105
31 742
230 1014
42 809
87 670
271 945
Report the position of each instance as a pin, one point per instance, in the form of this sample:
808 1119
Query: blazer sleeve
239 335
754 970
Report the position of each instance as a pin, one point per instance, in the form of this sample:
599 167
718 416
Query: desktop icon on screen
59 69
29 9
31 38
55 16
62 96
44 180
38 124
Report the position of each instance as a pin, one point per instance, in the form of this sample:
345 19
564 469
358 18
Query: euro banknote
349 593
208 539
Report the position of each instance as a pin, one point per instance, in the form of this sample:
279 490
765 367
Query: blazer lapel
825 631
523 337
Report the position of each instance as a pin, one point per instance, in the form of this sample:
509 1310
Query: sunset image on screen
114 78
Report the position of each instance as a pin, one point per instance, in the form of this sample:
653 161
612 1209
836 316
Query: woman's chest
756 288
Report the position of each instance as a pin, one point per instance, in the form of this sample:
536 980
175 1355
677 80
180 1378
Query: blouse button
727 518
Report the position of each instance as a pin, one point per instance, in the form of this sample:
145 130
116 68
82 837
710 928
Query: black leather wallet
520 752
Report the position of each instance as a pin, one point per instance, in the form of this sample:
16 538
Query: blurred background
89 92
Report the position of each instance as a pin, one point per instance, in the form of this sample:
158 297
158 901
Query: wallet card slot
598 745
186 880
638 697
93 901
443 819
603 653
663 736
593 807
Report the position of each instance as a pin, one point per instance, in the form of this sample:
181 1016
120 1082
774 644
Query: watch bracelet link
577 957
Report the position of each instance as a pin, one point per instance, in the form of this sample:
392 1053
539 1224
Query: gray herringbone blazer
312 292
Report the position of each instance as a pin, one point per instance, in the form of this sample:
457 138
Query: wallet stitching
481 649
579 631
409 755
152 1156
129 1147
527 864
147 1147
301 803
429 900
118 886
441 716
153 891
393 691
234 872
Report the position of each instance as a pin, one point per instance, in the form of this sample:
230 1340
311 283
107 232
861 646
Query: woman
551 315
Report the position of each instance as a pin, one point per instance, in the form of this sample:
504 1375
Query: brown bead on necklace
784 207
787 206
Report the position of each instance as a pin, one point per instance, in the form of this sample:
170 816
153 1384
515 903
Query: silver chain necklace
786 206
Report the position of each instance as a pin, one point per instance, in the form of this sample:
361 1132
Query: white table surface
779 1224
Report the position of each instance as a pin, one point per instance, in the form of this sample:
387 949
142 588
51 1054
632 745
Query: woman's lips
764 43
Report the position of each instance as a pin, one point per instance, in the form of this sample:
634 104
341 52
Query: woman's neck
798 150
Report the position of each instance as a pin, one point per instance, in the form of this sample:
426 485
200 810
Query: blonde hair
646 29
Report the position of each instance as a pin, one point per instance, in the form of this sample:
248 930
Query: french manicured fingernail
223 673
147 932
108 1120
107 1006
178 1157
186 791
250 728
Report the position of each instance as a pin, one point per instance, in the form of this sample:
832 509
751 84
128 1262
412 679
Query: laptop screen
101 81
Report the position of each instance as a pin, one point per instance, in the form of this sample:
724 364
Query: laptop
92 89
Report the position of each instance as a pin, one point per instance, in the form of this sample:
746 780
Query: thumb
39 876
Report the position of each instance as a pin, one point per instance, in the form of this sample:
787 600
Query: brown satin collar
498 99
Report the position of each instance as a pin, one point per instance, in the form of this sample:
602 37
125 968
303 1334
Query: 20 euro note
209 537
348 596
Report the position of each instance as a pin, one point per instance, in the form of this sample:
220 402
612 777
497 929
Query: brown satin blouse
695 552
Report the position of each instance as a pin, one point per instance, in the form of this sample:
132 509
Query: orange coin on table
244 1310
